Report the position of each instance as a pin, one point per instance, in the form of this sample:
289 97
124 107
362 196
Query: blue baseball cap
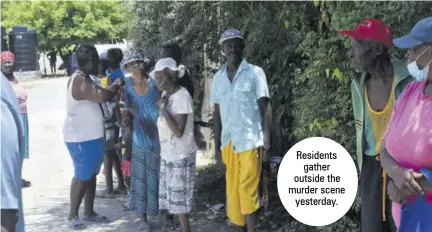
230 34
420 34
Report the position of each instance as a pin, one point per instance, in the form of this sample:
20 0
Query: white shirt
173 148
84 120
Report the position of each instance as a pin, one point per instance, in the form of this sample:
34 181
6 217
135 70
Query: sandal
97 218
76 224
144 227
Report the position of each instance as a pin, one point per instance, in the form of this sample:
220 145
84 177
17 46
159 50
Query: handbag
416 215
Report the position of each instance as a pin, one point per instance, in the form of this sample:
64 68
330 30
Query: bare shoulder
78 81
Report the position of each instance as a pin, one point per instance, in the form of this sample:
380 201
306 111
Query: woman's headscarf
7 56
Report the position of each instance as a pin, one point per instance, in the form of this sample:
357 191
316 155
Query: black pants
371 194
9 219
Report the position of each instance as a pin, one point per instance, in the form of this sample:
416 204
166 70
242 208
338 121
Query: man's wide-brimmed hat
137 54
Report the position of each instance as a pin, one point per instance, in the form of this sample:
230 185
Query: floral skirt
176 185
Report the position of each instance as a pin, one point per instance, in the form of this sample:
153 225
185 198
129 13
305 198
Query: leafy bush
298 46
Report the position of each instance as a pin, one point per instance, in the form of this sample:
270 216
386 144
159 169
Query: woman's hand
406 181
115 86
395 194
22 99
162 103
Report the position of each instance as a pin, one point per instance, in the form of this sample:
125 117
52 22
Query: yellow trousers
243 171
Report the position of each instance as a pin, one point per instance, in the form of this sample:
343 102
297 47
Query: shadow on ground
52 216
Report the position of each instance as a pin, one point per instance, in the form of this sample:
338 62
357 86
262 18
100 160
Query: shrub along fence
298 46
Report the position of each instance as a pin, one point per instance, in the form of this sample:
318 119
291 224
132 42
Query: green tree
63 23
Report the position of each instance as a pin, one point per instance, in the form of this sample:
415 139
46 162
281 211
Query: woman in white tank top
83 132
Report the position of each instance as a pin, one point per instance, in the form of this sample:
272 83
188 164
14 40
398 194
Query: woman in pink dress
407 143
7 68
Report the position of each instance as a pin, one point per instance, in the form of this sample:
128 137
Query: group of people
156 132
392 102
150 117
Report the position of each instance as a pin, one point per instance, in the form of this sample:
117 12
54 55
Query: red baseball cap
371 29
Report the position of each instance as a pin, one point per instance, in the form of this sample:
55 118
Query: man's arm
263 99
267 119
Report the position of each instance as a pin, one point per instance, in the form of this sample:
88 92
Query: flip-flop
144 227
97 218
76 224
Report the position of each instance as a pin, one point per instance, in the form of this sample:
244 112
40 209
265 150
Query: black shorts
371 194
52 65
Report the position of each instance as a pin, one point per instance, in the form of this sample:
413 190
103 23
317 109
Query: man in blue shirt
242 129
12 150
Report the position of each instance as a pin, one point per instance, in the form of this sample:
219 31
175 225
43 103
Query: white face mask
414 70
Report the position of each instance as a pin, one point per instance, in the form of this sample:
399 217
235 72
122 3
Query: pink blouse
21 94
409 133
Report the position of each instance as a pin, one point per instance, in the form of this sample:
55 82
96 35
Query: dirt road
50 170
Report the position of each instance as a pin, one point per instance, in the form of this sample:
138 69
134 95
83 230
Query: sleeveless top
84 120
377 121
